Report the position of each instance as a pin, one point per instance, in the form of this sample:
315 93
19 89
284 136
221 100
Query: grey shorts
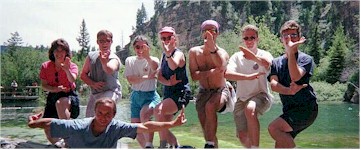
263 104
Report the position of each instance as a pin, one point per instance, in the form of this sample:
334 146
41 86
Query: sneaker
60 144
149 147
208 146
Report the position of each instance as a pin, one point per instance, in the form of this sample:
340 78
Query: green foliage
320 73
337 56
23 66
329 92
14 42
141 18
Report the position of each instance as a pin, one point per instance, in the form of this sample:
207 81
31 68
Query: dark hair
55 45
140 38
105 100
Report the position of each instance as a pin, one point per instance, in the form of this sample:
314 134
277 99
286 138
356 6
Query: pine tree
337 56
141 18
83 40
14 42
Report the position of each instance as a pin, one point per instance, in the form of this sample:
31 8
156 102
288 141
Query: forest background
331 29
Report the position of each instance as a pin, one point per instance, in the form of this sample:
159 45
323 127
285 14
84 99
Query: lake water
335 123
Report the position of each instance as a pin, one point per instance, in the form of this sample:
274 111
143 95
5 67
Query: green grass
337 126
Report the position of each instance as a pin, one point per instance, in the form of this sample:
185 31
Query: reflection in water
11 113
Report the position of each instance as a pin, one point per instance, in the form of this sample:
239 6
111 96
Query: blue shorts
139 98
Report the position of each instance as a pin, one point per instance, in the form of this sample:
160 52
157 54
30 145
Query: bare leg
164 112
278 130
252 123
140 136
145 115
63 108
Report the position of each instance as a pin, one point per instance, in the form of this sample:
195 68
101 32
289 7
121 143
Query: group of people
254 70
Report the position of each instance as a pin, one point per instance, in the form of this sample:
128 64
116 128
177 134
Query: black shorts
50 108
181 97
300 118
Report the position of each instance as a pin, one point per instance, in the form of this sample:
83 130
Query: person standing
100 72
290 77
176 90
140 71
58 77
248 68
207 64
14 85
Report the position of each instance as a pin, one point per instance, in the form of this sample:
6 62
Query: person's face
59 54
138 48
210 28
292 33
250 39
104 113
104 42
167 37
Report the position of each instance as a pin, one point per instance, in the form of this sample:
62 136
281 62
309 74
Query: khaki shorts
263 104
205 94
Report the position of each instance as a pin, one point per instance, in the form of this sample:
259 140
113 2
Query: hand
173 80
209 43
97 85
66 64
217 70
291 47
62 88
146 50
181 119
169 47
152 74
256 75
248 54
35 117
294 88
104 56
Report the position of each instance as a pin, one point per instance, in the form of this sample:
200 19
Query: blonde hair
250 27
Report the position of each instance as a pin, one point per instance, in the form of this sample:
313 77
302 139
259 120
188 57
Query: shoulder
195 49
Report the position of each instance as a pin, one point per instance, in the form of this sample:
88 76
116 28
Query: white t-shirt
249 88
140 67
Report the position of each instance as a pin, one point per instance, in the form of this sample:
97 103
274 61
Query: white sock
148 144
255 147
210 143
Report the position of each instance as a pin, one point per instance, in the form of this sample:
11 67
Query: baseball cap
210 22
167 29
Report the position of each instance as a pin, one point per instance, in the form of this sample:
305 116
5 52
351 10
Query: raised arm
151 126
35 121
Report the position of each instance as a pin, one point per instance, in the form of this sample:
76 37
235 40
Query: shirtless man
207 64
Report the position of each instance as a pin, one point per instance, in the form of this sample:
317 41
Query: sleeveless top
181 74
98 74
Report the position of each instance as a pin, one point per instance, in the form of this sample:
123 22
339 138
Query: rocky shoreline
12 143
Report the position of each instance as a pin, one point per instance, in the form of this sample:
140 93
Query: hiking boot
208 146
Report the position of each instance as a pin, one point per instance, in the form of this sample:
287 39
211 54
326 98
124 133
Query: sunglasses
210 30
293 35
166 38
251 38
56 77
